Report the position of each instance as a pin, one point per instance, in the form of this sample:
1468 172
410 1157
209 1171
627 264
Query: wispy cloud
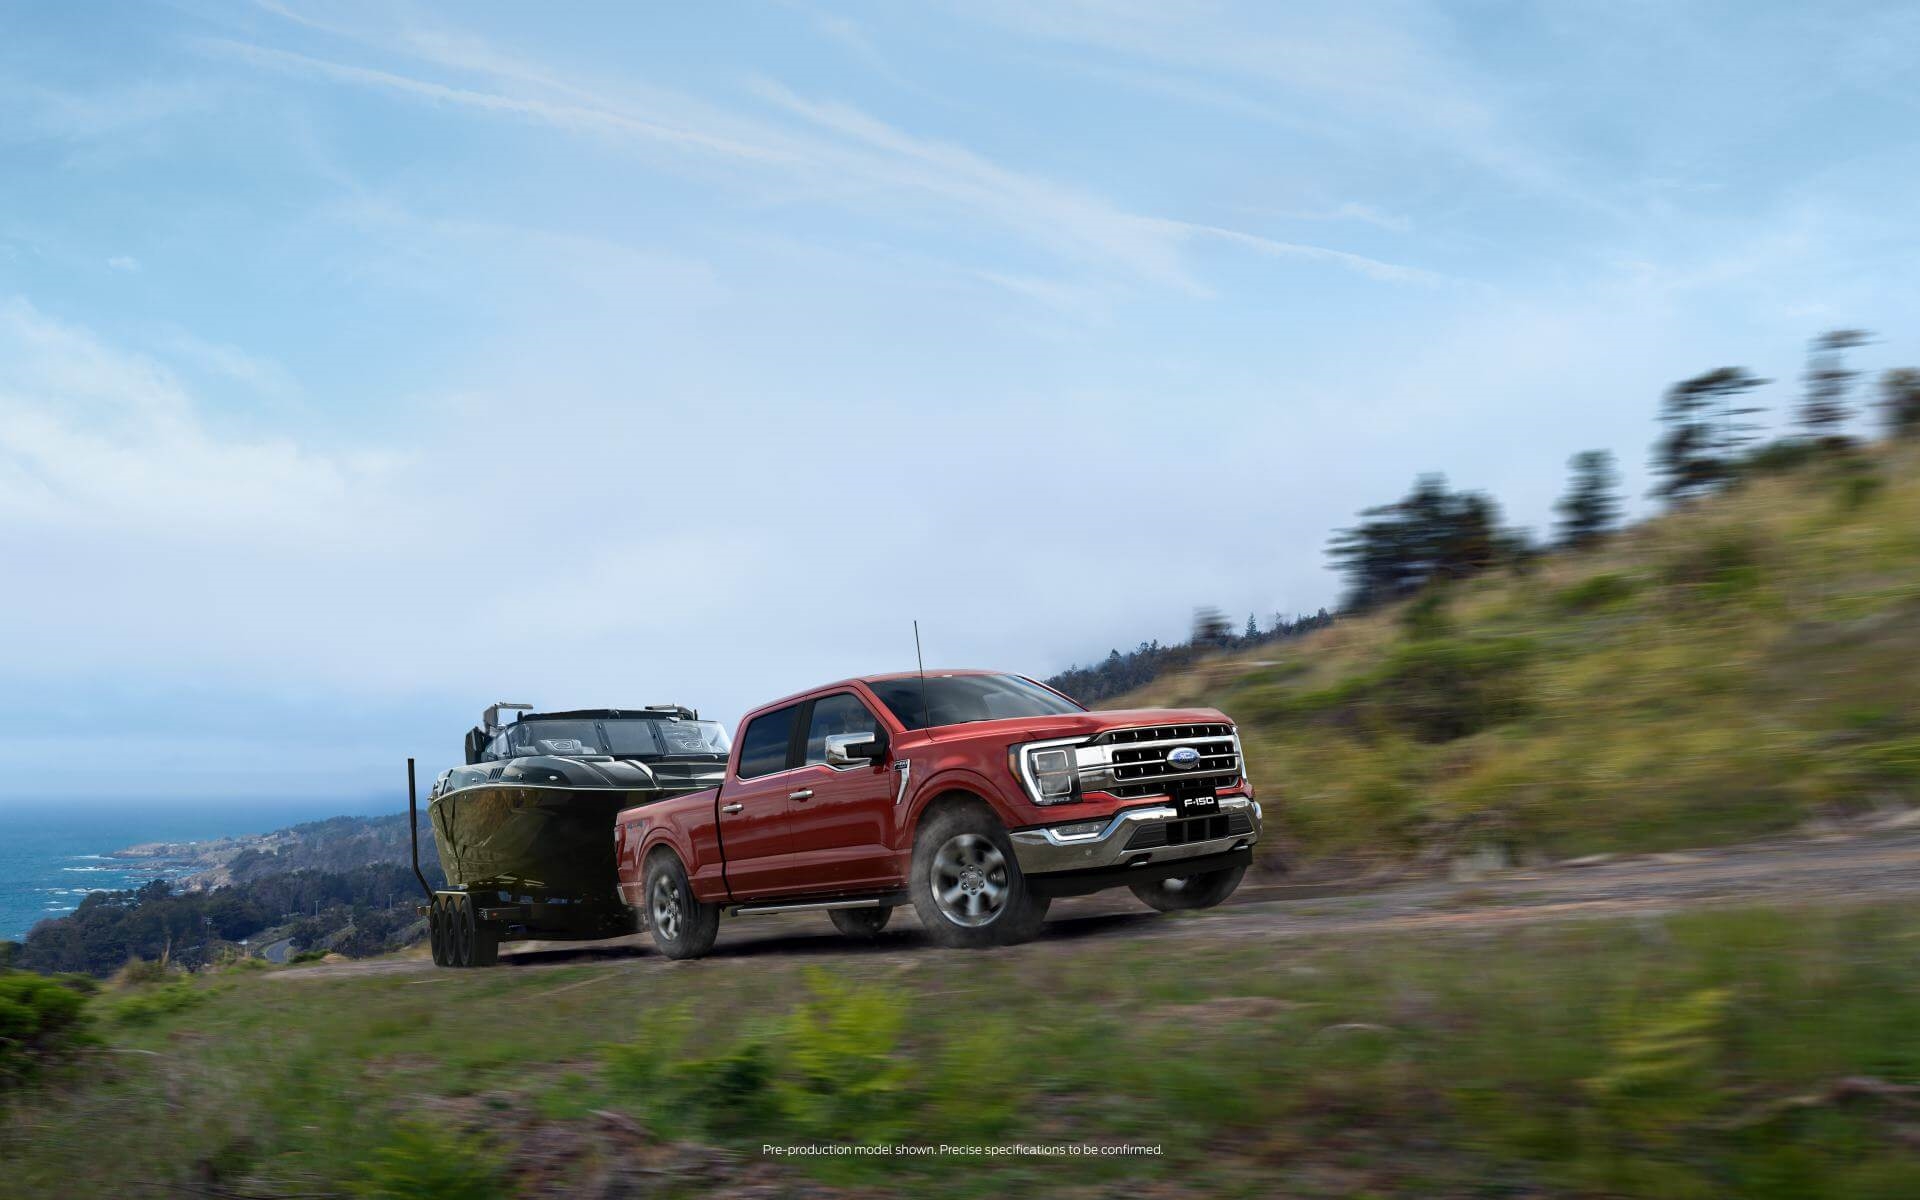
124 262
840 155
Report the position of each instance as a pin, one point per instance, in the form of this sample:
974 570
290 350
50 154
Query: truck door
753 807
840 817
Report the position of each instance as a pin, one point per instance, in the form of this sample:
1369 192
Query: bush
829 1069
1600 591
1441 689
149 1005
420 1162
843 1079
41 1020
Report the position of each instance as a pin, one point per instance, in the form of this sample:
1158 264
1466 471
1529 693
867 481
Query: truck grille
1193 829
1140 758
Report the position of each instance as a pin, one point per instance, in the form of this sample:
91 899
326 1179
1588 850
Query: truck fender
954 779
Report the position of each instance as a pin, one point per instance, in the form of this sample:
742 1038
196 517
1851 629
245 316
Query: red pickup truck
975 796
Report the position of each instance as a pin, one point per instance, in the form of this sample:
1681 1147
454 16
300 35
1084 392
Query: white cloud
861 160
124 262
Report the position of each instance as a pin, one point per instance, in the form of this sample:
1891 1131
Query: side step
890 900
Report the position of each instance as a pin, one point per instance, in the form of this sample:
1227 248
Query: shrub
841 1044
828 1069
421 1162
146 1006
140 972
1727 567
1441 689
41 1020
1600 591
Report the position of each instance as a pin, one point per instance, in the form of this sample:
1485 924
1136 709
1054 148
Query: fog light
1080 829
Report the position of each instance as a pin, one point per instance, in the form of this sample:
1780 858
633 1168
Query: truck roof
871 679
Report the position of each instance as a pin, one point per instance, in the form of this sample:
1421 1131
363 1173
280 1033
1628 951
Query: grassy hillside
1755 1053
1730 670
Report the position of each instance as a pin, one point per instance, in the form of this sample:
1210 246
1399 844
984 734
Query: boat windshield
635 737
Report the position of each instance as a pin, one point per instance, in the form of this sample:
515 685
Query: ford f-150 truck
977 797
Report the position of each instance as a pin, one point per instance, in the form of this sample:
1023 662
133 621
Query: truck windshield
958 699
626 737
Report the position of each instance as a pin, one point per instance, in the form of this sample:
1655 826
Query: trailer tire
437 931
461 952
682 927
861 924
966 886
486 944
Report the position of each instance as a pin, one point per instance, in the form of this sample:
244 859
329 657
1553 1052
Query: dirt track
1838 869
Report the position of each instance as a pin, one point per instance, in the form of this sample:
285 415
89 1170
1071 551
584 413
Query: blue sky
362 365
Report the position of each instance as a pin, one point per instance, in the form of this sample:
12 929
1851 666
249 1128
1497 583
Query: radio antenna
926 714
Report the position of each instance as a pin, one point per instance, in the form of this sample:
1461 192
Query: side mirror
849 749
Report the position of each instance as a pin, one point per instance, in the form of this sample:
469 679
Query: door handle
802 794
730 808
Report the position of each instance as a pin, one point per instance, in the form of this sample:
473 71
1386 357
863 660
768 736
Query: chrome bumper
1042 851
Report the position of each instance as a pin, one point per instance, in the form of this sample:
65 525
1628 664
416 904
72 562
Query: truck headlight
1048 771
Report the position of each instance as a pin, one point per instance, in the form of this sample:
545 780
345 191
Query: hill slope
1726 671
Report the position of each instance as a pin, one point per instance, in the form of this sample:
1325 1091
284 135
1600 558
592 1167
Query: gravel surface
1834 869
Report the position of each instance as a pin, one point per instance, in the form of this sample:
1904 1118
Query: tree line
1710 438
361 911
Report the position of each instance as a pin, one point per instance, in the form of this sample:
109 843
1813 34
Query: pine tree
1253 630
1705 430
1824 410
1430 534
1591 507
1900 398
1210 627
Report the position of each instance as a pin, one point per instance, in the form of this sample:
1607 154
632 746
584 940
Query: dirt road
1835 870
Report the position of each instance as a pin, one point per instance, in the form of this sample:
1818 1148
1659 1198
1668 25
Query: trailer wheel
486 944
462 954
682 927
861 924
437 931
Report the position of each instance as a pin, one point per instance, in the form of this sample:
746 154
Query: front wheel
967 888
682 927
1186 892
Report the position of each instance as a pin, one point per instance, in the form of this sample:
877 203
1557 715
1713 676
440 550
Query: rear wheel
862 924
1186 892
682 927
437 931
967 888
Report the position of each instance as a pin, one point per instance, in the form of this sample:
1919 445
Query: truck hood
1034 729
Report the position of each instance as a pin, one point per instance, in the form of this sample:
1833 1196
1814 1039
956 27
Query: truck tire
682 927
861 924
1187 892
967 888
437 931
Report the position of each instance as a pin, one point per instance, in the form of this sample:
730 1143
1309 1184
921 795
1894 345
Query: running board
891 900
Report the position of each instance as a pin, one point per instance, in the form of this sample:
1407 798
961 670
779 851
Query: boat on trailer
525 826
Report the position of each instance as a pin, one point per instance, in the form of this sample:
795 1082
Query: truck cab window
763 747
842 713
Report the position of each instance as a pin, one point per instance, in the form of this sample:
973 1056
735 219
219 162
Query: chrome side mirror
847 749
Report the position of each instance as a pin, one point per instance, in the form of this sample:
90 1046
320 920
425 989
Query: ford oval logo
1183 758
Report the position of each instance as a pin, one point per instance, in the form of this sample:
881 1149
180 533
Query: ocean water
53 852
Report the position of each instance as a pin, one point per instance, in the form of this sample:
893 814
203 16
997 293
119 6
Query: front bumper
1137 837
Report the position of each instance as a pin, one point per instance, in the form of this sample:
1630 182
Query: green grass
1697 680
1686 1056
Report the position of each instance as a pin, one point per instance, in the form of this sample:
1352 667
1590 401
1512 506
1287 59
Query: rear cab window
766 743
